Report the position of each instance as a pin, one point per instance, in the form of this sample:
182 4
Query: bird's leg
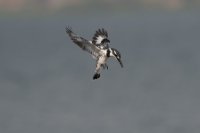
104 66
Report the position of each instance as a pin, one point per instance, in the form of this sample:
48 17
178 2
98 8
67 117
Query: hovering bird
98 48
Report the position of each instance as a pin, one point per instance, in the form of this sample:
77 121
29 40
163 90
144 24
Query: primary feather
100 39
83 43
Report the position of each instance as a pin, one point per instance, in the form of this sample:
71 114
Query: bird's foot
105 66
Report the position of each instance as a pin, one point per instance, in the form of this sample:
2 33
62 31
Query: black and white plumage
98 48
100 39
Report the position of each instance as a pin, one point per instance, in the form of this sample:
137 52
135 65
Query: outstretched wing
100 39
83 43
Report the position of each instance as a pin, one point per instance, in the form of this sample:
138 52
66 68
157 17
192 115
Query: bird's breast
103 52
102 59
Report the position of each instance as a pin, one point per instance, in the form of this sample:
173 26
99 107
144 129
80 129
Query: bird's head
115 53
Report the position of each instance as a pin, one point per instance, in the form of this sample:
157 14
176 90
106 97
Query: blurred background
46 81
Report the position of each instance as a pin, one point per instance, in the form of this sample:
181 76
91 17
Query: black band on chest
108 53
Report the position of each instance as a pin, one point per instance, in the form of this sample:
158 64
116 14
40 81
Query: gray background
46 81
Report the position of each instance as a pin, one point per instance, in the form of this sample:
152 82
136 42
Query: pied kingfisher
98 48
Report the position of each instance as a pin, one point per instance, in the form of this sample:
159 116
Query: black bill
120 62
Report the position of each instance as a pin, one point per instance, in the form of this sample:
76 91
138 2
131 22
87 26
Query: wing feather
83 43
100 38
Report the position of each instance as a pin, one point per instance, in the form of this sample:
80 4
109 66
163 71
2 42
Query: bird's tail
96 76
